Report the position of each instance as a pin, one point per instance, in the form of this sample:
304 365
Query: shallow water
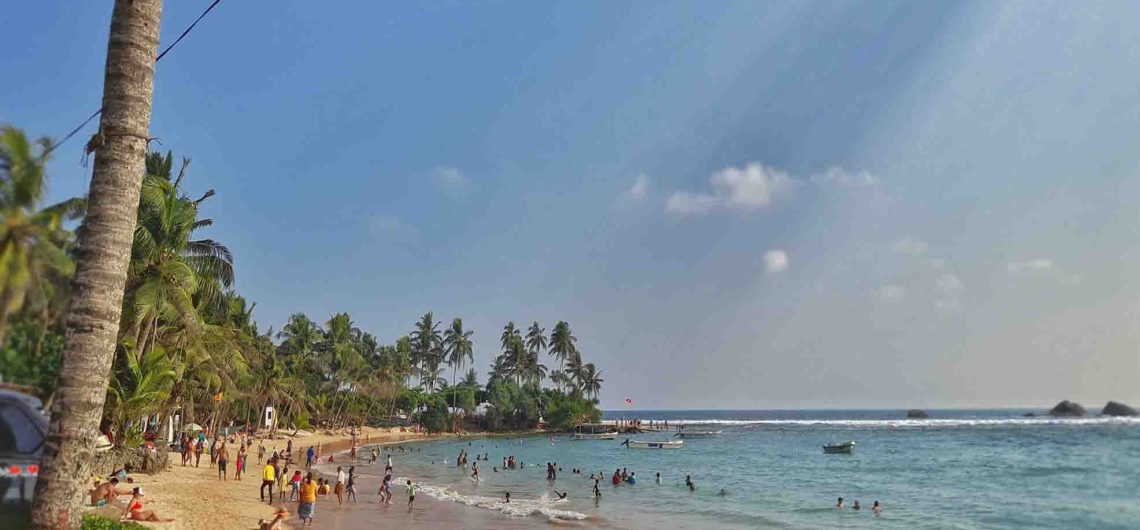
960 469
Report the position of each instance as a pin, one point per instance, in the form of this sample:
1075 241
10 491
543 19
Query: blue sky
734 204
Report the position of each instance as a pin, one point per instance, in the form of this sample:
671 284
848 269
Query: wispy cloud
842 177
775 261
1042 267
909 246
449 177
743 189
640 188
949 289
892 292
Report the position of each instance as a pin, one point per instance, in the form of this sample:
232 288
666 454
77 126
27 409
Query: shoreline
197 500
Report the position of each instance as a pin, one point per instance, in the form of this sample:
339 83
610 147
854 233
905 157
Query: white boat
593 431
835 448
637 444
697 434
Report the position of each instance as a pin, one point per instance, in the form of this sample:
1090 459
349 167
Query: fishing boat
835 448
593 431
697 434
637 444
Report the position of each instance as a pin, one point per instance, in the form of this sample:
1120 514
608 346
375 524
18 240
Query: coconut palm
139 387
591 381
33 243
562 345
458 347
426 350
101 267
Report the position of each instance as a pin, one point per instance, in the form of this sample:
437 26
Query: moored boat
593 431
638 444
839 448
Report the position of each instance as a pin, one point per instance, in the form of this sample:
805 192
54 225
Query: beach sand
197 500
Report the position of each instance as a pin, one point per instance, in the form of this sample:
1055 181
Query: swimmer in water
839 504
560 495
722 493
689 482
658 477
856 505
876 509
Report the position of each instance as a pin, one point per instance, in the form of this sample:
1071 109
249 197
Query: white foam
541 507
912 423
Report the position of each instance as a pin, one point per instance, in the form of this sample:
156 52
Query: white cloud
949 284
1034 265
775 261
892 292
640 188
450 177
936 264
910 246
685 204
744 189
843 177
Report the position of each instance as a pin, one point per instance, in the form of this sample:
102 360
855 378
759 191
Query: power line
159 58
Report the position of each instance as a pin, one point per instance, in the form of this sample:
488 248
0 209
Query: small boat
835 448
636 444
697 434
594 431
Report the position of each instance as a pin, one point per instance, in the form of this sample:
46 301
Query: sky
734 204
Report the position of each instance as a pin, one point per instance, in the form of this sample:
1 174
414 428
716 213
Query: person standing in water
411 494
350 486
658 478
856 506
689 482
839 504
475 471
339 488
876 508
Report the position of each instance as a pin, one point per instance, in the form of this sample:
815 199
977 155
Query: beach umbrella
193 427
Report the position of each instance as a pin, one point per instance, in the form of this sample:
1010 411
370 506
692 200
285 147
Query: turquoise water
957 470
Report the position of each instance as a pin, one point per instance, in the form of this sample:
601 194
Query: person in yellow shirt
308 503
268 477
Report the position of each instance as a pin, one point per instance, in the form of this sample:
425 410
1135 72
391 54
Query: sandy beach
197 500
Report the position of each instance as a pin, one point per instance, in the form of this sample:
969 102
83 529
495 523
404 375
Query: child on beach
295 485
411 494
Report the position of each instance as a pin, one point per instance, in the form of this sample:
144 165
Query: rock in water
915 414
1068 409
1113 408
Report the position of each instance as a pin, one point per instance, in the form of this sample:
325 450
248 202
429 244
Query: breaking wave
915 423
542 507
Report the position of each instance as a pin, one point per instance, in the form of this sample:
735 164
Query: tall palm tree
33 243
101 268
459 349
562 345
471 379
426 350
535 340
591 381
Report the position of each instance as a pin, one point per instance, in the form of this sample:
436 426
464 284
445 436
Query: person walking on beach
339 488
309 458
411 494
198 452
350 486
223 459
308 501
268 477
242 456
260 452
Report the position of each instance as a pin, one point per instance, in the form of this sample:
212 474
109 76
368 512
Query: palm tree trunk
101 268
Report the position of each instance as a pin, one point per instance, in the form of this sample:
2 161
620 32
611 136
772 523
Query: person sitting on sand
105 493
280 514
839 504
135 512
876 508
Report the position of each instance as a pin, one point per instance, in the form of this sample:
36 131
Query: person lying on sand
105 493
262 524
135 511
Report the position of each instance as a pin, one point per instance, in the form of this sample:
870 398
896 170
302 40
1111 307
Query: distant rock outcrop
1069 409
1113 408
916 414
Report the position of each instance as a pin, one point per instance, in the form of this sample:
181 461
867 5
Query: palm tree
33 244
168 266
458 347
591 381
426 344
562 344
471 379
140 387
535 340
101 268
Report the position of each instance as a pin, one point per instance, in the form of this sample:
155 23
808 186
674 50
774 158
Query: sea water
960 469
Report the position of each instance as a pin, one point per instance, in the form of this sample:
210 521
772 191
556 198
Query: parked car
22 430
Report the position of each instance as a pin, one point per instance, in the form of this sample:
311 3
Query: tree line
188 344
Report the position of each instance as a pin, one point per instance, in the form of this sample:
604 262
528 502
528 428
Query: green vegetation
188 343
94 522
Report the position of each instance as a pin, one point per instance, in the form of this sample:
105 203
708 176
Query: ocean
959 469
